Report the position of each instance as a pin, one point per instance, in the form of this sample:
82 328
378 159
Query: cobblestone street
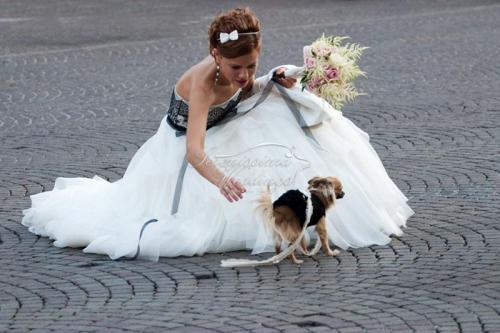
83 84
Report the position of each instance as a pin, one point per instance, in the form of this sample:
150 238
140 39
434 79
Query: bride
191 187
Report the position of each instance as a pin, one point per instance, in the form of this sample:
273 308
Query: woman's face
238 70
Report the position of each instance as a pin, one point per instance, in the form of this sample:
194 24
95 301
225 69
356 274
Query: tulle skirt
264 146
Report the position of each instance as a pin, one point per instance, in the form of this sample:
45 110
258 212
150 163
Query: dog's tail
265 207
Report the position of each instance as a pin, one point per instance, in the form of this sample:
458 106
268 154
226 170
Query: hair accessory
233 35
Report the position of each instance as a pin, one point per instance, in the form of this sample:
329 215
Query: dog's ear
335 181
313 180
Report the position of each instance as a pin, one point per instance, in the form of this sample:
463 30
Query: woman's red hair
241 19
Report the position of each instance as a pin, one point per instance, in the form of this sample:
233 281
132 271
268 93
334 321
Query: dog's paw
335 253
307 253
298 261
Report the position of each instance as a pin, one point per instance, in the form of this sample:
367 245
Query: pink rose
309 62
332 73
314 83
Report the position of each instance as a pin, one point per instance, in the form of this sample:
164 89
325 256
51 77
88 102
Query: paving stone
84 84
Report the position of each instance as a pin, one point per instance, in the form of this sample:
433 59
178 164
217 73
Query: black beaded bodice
177 115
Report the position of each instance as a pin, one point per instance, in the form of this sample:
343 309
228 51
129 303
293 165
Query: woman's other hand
231 188
279 77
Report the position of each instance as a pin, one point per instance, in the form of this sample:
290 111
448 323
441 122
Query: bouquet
330 69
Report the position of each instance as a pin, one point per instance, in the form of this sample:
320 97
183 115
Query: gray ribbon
234 115
178 187
296 113
138 251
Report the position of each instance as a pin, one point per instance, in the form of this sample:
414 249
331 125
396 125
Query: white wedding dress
262 144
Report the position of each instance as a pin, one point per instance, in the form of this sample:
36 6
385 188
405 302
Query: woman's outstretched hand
279 77
231 188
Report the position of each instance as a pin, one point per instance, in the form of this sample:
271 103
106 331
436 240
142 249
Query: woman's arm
257 85
199 101
197 124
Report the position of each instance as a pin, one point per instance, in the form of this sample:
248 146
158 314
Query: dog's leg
292 256
304 249
303 246
277 242
323 237
289 232
294 259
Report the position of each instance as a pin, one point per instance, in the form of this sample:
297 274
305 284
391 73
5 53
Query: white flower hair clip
225 37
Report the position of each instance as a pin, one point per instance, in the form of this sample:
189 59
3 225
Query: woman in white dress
191 187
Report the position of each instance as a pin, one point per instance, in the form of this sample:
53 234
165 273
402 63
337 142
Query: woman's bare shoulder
196 79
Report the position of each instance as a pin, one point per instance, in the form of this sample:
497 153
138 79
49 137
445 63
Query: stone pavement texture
84 83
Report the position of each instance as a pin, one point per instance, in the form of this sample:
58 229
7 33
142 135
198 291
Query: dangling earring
217 74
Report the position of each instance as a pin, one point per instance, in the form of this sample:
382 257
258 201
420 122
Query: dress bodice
177 115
